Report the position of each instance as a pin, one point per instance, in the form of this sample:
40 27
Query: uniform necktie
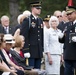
71 23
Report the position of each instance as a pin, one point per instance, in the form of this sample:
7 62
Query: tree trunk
14 11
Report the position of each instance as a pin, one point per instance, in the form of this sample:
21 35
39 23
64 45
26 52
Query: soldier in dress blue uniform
69 40
32 30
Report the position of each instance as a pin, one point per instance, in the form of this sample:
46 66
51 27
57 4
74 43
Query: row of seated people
17 70
12 59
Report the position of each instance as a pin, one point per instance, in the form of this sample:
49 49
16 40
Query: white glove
26 55
74 38
61 35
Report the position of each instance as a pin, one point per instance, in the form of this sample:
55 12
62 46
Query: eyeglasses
59 16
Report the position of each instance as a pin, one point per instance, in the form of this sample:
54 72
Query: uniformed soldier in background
32 30
69 40
46 27
46 21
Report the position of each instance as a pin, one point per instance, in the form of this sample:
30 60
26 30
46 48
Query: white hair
53 18
26 13
4 17
19 18
57 12
63 13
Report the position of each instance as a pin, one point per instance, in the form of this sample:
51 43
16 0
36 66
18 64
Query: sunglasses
59 16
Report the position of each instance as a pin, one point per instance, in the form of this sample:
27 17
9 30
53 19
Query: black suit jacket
11 29
69 45
16 27
20 61
33 33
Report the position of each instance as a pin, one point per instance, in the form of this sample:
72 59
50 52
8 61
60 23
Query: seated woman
17 53
20 57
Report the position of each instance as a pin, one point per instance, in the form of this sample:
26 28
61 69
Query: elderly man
58 14
5 27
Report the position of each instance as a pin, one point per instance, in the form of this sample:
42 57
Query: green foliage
4 7
22 5
48 6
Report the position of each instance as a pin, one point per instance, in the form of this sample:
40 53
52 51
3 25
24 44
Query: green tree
13 11
13 8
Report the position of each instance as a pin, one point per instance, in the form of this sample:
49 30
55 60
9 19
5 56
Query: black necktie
71 23
72 27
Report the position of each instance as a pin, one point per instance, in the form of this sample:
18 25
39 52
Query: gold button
38 31
38 26
29 44
38 39
38 35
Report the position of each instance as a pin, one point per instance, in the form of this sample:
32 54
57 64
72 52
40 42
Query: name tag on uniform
54 34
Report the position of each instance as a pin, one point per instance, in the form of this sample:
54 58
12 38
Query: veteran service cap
70 9
47 18
36 4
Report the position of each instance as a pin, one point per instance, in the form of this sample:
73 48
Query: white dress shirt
6 29
74 22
